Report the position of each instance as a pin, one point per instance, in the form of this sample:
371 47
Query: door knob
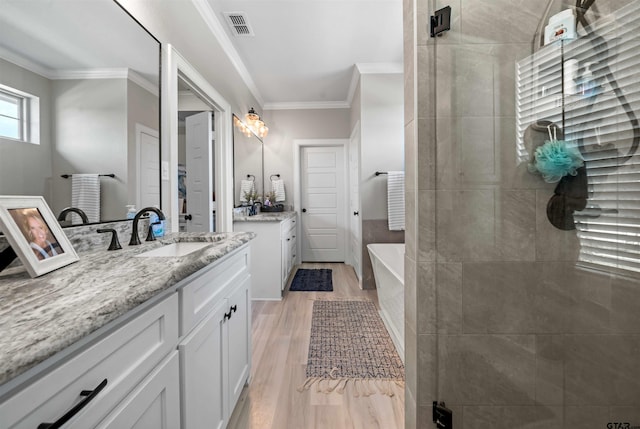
304 210
187 217
356 213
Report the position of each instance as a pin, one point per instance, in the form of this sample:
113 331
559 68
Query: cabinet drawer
154 403
203 292
123 358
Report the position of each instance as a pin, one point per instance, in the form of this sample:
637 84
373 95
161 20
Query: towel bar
66 176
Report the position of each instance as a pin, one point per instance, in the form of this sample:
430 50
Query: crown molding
20 61
358 70
370 68
212 21
108 73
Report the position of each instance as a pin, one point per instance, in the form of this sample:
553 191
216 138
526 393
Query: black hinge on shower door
442 416
441 21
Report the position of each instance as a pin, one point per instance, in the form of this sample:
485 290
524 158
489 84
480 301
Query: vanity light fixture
256 124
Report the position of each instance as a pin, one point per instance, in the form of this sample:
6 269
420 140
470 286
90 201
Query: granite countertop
42 316
265 217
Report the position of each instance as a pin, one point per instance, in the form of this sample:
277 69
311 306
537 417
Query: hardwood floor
280 343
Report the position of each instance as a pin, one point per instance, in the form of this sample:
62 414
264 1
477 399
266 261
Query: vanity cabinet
129 359
289 248
215 353
179 360
274 252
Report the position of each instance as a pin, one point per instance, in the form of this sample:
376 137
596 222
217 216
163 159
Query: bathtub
387 260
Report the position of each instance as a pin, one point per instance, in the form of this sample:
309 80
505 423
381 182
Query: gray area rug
350 344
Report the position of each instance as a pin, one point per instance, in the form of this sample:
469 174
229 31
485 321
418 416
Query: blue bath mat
312 280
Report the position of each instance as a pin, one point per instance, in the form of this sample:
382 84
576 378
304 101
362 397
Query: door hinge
441 21
442 416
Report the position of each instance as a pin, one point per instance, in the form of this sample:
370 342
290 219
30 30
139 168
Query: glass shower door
527 274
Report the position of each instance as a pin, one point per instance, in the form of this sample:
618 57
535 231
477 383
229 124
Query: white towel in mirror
85 195
246 187
277 186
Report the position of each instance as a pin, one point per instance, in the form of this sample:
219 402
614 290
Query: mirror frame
236 188
159 102
157 82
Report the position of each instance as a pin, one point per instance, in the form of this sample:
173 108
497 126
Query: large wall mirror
88 75
248 161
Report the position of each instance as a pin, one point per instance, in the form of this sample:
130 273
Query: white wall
91 114
142 109
382 138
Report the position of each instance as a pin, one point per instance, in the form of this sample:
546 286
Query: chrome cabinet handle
90 394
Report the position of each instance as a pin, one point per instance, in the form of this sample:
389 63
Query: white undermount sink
175 249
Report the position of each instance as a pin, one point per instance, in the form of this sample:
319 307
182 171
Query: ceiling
302 52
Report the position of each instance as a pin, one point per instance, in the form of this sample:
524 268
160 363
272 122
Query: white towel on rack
248 187
277 186
395 200
85 195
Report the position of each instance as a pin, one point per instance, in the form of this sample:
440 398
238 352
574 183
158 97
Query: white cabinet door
153 404
203 378
239 331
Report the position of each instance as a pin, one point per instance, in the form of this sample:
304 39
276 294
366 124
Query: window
19 113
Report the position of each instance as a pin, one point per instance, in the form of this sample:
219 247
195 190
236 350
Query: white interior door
322 186
148 168
198 130
355 236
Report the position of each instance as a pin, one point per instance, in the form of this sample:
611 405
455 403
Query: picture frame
34 234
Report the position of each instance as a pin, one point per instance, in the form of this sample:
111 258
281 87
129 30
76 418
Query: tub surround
45 315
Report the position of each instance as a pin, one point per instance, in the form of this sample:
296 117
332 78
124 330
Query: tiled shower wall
500 322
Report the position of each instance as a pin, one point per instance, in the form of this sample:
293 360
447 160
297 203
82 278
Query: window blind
590 87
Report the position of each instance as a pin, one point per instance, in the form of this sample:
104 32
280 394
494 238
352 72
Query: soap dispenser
157 225
588 85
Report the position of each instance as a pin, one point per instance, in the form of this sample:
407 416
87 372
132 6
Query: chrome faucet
134 228
63 214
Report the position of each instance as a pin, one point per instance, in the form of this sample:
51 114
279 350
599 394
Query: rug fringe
361 386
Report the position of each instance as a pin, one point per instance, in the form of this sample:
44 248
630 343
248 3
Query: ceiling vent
239 24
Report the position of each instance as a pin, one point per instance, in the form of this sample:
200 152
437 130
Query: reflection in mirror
196 160
247 162
82 106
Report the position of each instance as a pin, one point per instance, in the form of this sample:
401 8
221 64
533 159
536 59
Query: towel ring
252 177
276 175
